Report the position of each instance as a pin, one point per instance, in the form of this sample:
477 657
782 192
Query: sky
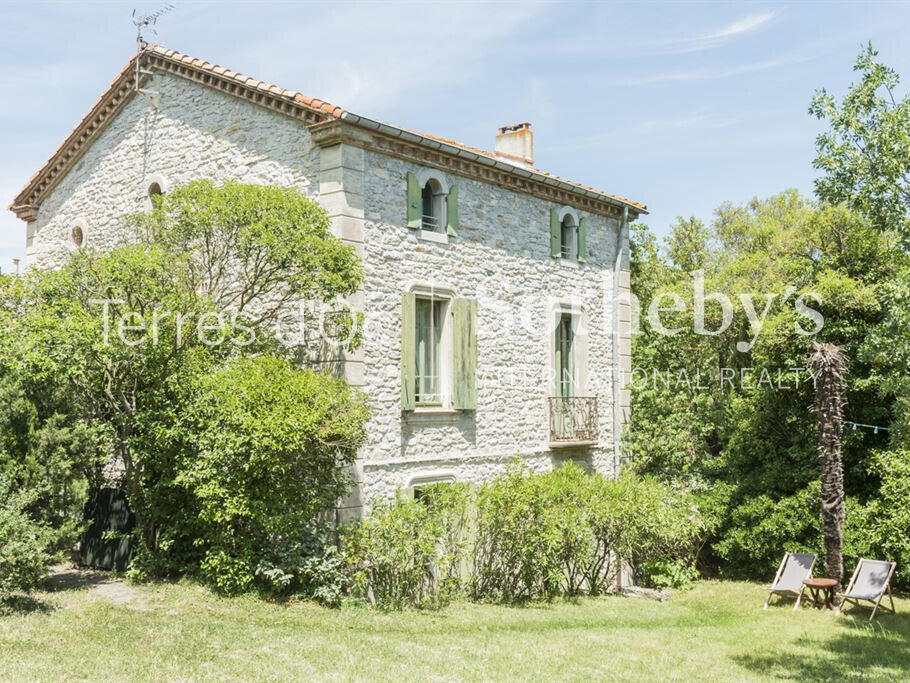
678 105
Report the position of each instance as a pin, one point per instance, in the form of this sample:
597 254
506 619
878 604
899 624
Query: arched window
569 237
434 206
157 187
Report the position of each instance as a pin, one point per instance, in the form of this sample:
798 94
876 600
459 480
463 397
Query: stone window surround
83 226
432 477
424 176
163 184
444 411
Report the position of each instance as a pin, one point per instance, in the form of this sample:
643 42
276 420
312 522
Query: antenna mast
143 22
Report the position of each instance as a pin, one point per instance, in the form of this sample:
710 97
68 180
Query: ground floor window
438 352
430 316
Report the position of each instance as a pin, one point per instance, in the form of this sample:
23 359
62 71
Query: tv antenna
146 22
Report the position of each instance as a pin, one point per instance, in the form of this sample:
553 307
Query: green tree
252 249
748 448
865 154
269 449
687 244
124 336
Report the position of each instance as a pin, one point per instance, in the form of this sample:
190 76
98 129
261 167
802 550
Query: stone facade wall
195 132
501 258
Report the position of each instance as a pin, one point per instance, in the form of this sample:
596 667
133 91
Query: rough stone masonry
501 258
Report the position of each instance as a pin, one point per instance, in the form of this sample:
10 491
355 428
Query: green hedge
24 542
758 530
524 536
411 552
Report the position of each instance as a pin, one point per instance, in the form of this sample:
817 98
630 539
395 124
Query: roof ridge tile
102 107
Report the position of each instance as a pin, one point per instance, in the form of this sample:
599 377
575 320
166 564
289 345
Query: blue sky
679 105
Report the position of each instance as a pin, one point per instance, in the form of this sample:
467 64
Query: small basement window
154 194
421 486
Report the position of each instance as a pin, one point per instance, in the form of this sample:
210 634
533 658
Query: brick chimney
515 144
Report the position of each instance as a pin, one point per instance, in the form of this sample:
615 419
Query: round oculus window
78 236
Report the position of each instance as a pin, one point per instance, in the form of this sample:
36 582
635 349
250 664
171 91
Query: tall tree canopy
864 156
127 339
749 445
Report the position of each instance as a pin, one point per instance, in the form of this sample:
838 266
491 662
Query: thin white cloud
710 73
705 41
699 120
348 62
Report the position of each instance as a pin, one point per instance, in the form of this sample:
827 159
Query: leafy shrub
516 553
23 542
881 528
760 529
53 455
270 446
314 567
566 532
410 553
661 530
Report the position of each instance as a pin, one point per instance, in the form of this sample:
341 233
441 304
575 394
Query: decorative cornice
337 131
289 103
259 94
27 213
108 105
327 122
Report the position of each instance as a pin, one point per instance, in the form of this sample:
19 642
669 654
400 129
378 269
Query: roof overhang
123 88
315 114
460 152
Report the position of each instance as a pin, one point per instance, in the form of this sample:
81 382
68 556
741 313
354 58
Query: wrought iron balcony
573 421
430 223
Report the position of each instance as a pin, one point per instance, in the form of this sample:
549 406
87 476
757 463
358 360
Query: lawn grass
717 631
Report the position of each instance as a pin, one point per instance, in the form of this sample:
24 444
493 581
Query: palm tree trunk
830 368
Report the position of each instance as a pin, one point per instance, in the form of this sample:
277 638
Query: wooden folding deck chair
789 579
870 581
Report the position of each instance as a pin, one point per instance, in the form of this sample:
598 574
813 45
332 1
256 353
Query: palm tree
830 366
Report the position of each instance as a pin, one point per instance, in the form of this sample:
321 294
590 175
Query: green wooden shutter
465 354
415 202
408 339
555 234
583 240
452 212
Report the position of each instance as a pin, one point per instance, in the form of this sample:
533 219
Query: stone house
493 292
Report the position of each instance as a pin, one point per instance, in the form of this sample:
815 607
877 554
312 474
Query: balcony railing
430 223
573 421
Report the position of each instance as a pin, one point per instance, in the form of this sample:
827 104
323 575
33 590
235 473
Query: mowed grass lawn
717 631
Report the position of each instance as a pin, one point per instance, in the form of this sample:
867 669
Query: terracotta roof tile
336 112
97 116
491 155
